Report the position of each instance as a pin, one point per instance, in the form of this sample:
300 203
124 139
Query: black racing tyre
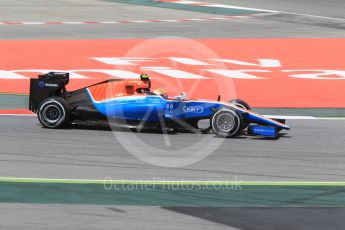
240 103
227 123
54 113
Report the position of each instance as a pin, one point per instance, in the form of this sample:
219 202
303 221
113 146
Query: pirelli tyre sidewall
54 113
227 122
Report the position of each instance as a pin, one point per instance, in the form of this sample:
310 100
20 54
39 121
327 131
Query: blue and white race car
132 103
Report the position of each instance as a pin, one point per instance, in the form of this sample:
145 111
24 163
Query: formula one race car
132 104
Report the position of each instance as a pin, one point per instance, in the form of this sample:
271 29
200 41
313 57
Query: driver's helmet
161 92
144 76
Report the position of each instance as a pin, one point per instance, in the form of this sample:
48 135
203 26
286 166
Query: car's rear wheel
240 103
227 123
54 113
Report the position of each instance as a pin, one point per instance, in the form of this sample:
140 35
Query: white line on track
173 20
12 23
109 22
139 21
72 23
292 117
33 23
300 14
224 6
108 181
312 15
240 8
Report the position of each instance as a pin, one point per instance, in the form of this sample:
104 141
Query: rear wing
47 85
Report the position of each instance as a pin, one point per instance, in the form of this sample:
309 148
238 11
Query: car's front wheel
54 113
226 123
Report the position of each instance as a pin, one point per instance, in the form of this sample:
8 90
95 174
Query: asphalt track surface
130 217
312 150
82 153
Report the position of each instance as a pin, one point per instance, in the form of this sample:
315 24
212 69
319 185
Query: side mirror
182 97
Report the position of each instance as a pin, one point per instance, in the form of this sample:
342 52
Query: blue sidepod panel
132 107
148 108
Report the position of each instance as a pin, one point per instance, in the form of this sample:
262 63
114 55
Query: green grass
173 193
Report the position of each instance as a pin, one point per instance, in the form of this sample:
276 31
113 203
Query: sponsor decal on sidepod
193 109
